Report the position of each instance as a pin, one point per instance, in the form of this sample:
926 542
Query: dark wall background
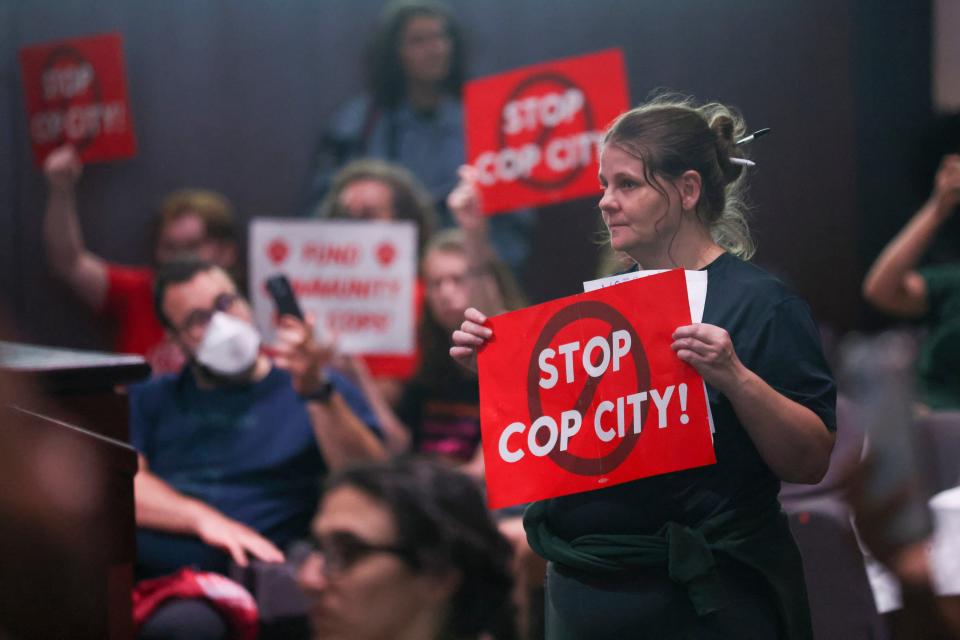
231 95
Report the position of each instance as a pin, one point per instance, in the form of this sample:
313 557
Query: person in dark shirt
231 449
707 552
440 406
895 285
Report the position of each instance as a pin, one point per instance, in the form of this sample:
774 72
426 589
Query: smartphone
283 297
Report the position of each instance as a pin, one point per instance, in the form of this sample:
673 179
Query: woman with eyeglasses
405 550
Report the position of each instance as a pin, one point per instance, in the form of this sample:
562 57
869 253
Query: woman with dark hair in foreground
405 550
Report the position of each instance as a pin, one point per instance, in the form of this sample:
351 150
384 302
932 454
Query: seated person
231 448
195 222
438 406
371 189
377 190
406 549
896 286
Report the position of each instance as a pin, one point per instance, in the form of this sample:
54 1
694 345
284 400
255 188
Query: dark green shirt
938 363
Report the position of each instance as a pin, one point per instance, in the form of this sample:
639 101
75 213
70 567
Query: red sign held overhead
585 392
76 93
534 133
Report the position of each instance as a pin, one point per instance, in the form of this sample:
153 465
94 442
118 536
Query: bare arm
791 439
159 506
396 434
475 467
893 284
341 436
464 203
69 259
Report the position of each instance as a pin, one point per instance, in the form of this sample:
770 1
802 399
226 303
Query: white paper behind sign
696 287
696 296
356 278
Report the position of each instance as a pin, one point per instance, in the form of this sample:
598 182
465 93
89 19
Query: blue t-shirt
249 451
939 375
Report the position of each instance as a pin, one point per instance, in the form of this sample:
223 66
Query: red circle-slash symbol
386 252
277 251
538 85
588 466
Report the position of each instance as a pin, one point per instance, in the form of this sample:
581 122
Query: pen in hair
755 134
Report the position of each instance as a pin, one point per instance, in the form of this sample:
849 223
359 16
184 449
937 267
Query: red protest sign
534 133
585 392
76 92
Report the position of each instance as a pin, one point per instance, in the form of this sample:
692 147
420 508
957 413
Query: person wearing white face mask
231 449
230 346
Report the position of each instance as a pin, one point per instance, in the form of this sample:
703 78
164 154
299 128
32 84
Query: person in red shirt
189 222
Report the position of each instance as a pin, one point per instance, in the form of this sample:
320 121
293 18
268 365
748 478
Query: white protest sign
355 277
945 548
696 295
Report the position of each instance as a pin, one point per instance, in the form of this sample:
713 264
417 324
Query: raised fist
63 168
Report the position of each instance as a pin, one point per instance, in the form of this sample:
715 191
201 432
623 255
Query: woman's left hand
709 350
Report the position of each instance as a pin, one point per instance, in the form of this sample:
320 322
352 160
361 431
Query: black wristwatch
321 394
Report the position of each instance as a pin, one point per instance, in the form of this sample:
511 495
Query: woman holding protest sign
706 552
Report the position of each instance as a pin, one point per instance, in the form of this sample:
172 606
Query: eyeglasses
341 551
197 320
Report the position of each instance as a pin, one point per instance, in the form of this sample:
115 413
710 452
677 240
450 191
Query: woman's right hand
468 339
63 167
464 202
